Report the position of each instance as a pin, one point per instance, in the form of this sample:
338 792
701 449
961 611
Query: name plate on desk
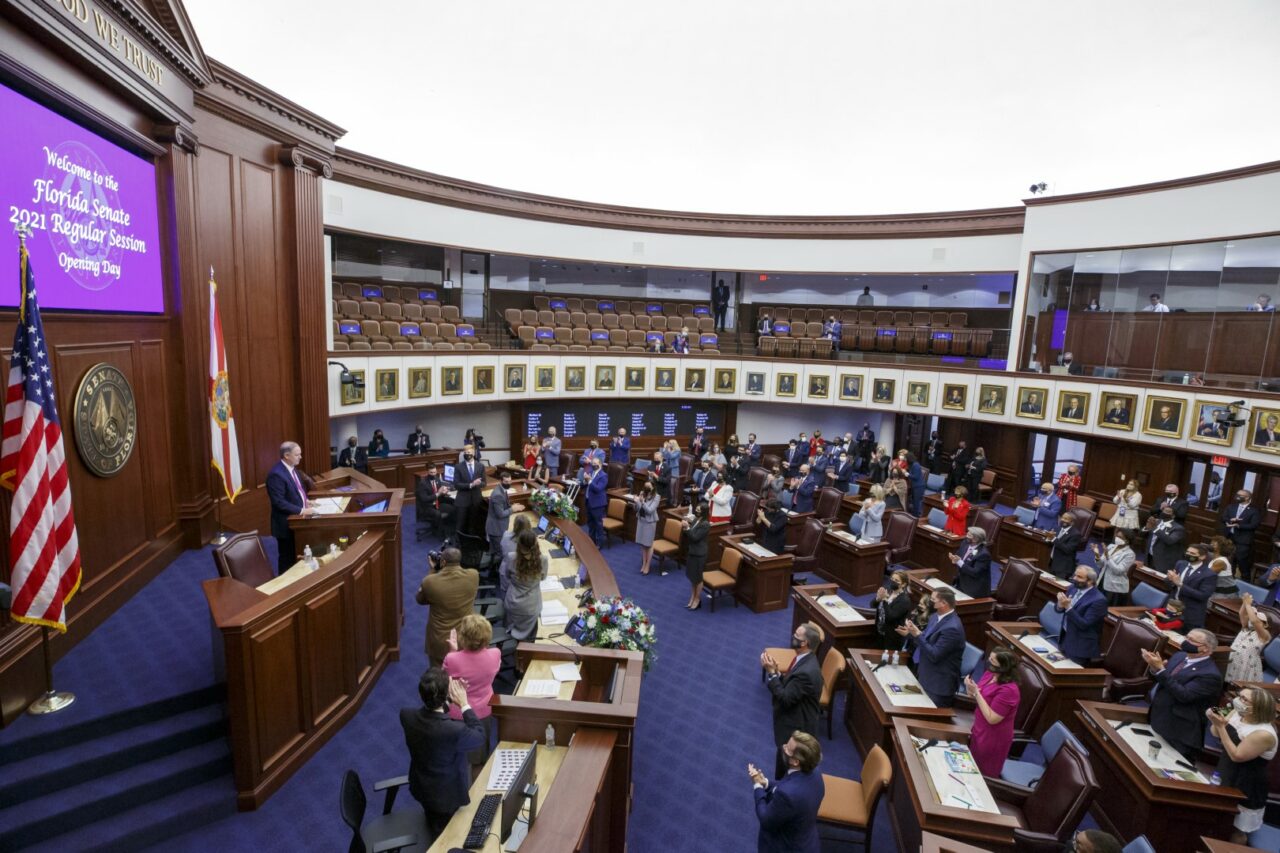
1046 650
758 551
1168 762
954 777
839 609
934 583
900 685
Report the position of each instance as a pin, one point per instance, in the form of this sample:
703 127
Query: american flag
44 553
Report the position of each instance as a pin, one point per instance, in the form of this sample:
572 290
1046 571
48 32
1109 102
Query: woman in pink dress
472 660
997 699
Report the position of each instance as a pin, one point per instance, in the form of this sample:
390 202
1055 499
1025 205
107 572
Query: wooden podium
300 662
870 710
587 807
858 568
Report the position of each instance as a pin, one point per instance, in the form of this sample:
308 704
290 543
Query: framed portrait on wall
726 380
514 379
353 393
850 386
388 384
606 377
1073 407
917 393
695 379
1164 417
1117 411
755 382
575 379
1264 431
1031 402
664 379
819 387
786 385
482 379
451 380
954 396
882 390
992 399
419 382
544 378
1213 422
634 379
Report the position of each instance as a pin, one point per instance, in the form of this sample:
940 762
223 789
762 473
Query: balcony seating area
390 317
914 332
571 324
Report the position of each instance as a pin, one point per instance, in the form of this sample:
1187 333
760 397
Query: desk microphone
576 657
1023 634
1120 727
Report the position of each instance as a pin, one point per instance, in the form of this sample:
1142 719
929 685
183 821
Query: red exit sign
1219 460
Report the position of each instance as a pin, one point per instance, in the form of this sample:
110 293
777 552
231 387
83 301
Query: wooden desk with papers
857 566
1029 543
879 695
1068 681
842 625
932 547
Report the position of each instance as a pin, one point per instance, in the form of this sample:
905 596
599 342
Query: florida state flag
222 428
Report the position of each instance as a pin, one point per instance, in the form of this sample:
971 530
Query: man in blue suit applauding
1086 609
788 808
1187 686
597 501
1194 584
805 490
1048 508
939 648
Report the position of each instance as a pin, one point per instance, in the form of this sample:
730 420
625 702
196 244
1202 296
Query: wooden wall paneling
1184 342
330 672
364 645
153 409
1134 338
278 683
1241 344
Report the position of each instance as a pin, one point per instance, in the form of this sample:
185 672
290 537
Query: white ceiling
747 106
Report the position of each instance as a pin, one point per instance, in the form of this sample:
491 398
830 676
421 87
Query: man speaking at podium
288 497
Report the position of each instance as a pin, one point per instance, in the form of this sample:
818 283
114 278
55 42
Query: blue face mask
1189 647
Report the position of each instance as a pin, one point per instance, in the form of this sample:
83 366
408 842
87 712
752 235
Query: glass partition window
1189 313
1070 452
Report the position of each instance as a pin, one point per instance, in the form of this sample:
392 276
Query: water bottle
884 658
895 657
333 549
308 559
551 736
1216 778
1186 379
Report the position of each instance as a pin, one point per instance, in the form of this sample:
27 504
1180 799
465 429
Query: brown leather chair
806 547
851 805
242 557
898 531
828 503
1127 673
743 519
1086 502
833 667
768 460
617 476
669 545
725 578
1083 523
756 478
1102 524
1033 690
1013 593
989 520
1051 811
614 519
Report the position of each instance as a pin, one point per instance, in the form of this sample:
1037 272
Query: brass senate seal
106 420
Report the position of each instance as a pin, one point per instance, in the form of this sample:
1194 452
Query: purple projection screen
91 207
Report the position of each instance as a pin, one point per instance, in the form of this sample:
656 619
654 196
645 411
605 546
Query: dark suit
597 501
418 442
439 772
788 814
796 695
1117 416
1062 558
844 473
1197 587
496 522
1165 424
793 458
720 304
959 475
775 531
286 500
1166 544
468 499
804 494
1179 505
915 481
975 572
1082 625
429 509
755 452
1264 437
1178 702
976 468
938 652
1241 534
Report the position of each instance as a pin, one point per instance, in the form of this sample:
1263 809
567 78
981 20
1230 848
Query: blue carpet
704 713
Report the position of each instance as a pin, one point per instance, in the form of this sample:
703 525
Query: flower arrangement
550 502
617 623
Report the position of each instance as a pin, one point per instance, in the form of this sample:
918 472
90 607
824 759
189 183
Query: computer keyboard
485 814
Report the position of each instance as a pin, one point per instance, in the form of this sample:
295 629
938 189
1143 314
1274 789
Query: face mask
1189 647
351 444
795 644
1170 494
1191 558
1239 705
467 457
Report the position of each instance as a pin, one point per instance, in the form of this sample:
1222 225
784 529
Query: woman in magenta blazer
473 661
997 697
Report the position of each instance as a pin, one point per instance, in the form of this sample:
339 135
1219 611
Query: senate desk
1017 540
858 567
878 696
763 576
932 547
843 626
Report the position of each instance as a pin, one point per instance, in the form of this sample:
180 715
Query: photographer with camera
450 591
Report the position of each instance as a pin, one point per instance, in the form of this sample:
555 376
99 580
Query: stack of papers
330 506
840 610
566 672
540 687
551 585
554 613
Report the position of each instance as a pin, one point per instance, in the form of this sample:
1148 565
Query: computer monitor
349 328
542 524
448 473
604 306
379 506
568 547
514 798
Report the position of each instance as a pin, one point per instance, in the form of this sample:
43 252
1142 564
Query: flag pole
220 536
53 700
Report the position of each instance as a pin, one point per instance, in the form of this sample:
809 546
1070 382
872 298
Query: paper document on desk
759 551
1049 652
839 609
554 613
330 506
934 583
551 585
566 672
931 527
540 687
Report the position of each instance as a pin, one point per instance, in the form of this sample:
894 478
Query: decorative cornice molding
300 156
160 40
1159 186
176 134
248 90
371 172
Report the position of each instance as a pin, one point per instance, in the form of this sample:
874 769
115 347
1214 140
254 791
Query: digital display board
587 418
91 207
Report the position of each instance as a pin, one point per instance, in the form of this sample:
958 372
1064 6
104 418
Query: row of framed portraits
1167 417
